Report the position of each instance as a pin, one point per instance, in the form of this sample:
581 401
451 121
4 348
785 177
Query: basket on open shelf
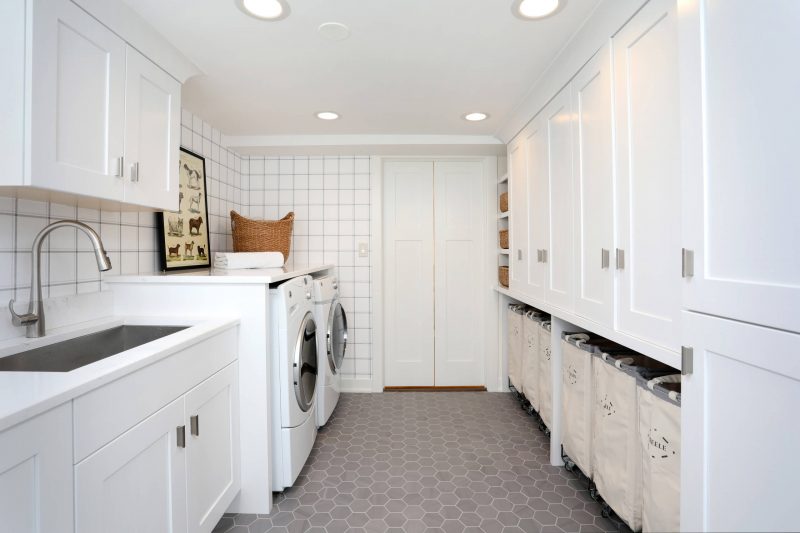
504 239
504 202
251 235
503 276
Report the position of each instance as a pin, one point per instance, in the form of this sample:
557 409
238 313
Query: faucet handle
21 320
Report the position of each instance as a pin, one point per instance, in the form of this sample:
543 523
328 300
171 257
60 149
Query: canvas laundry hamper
515 340
660 436
577 398
530 359
616 449
545 396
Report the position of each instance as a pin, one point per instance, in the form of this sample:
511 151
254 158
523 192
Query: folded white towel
228 260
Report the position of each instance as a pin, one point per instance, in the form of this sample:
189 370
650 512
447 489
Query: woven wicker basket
504 239
503 276
504 202
262 235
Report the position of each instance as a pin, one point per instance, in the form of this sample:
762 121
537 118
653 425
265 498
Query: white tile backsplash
329 195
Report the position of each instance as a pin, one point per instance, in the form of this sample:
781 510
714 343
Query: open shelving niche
502 220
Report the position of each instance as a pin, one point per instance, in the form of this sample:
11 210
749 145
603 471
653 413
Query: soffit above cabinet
410 67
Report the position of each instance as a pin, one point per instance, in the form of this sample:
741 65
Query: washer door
305 363
336 336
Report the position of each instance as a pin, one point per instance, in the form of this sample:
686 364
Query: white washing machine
331 345
294 379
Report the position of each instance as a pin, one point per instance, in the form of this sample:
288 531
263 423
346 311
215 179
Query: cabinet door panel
594 188
152 131
519 259
212 454
741 217
558 258
538 205
79 93
409 248
648 174
740 432
458 235
36 474
137 482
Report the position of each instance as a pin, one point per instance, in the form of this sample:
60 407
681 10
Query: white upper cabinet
648 151
99 119
518 225
593 169
78 102
742 177
557 254
538 206
152 131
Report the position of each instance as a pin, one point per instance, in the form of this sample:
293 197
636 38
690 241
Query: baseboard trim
464 388
356 385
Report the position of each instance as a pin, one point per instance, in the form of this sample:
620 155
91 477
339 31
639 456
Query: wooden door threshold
459 388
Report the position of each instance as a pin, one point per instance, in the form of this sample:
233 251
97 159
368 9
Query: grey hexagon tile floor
429 461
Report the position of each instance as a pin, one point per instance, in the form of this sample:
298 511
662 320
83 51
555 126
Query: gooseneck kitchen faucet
33 320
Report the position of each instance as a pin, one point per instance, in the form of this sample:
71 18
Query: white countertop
24 395
241 275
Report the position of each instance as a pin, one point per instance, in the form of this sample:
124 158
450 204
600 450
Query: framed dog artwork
184 240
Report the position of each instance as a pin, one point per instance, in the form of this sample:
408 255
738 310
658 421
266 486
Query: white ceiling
409 66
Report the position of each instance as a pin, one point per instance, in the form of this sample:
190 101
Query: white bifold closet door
433 241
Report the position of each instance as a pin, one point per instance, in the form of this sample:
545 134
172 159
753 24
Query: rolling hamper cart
616 449
530 360
577 399
660 436
545 395
515 342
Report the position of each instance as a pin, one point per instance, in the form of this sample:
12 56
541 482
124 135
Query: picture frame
184 241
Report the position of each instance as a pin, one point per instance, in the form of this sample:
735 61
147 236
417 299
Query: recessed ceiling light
327 115
334 31
264 9
476 117
536 9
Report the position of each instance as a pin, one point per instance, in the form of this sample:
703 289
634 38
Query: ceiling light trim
475 116
516 10
328 115
285 11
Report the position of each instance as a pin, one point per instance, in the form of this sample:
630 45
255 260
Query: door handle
544 255
194 425
519 254
604 258
119 162
181 431
620 259
135 172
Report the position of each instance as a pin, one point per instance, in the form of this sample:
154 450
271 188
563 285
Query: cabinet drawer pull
194 424
544 255
135 172
181 430
604 258
519 254
620 259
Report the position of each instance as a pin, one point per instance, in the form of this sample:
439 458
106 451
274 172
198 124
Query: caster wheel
570 466
606 512
593 493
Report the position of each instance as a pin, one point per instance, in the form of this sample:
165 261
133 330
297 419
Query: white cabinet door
78 95
518 225
137 482
538 206
36 474
740 431
409 267
559 251
648 174
741 217
152 134
212 448
459 241
593 169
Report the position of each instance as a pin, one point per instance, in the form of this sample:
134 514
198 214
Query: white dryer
294 379
332 345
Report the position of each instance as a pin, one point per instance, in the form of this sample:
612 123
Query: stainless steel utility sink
74 353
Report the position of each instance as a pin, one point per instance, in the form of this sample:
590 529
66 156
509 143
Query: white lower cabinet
138 481
176 471
740 431
36 474
212 441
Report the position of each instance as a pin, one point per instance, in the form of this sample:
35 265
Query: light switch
363 249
